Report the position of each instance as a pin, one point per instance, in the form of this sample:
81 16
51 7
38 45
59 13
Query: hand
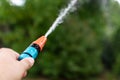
10 67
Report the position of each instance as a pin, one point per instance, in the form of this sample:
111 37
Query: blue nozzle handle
31 51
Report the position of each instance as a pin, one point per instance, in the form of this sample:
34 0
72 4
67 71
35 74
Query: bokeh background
86 46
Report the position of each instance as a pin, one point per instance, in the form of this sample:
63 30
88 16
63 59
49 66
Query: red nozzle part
41 42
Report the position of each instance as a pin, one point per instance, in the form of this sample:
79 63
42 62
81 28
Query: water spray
36 47
61 16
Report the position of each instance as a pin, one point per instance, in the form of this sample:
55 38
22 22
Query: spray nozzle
34 49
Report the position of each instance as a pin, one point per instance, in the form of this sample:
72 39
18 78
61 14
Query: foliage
73 50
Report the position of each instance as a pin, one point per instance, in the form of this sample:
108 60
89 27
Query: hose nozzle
34 49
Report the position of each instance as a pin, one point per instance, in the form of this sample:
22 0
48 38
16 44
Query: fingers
27 63
9 52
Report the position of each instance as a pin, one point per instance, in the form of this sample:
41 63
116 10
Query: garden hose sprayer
34 49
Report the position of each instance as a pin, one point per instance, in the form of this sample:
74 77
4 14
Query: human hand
10 67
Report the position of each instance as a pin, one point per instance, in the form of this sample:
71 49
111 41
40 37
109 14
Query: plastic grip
29 52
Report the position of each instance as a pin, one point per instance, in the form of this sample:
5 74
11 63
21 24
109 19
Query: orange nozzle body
41 42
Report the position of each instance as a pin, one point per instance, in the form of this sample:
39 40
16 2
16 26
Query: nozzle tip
41 42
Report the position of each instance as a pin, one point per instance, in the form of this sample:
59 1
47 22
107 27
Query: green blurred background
85 47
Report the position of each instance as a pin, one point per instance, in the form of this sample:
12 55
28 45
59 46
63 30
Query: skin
10 67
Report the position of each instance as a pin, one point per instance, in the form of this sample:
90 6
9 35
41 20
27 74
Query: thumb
27 63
